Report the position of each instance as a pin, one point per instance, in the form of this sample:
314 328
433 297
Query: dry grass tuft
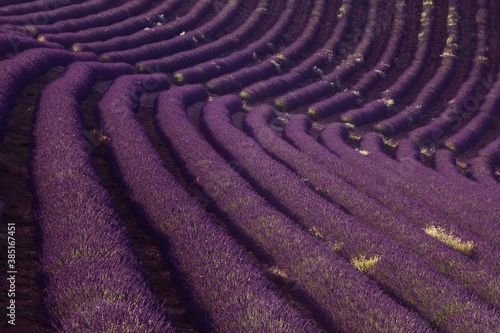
362 263
464 247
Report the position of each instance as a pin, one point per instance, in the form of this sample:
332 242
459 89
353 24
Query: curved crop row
211 50
377 108
273 64
12 42
459 105
160 46
476 127
210 69
423 101
27 7
491 151
104 18
221 282
159 32
392 198
93 281
16 72
443 197
350 97
301 72
407 234
316 270
483 171
58 14
445 163
6 3
100 39
354 239
343 71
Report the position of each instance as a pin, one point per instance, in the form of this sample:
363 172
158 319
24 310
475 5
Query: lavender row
368 250
211 50
441 196
408 153
409 235
459 105
423 101
92 279
483 171
6 3
316 90
342 72
210 69
17 72
301 72
470 134
161 46
104 18
273 65
281 186
13 42
312 266
100 39
163 30
58 14
491 151
352 96
27 7
478 198
402 205
444 162
377 108
221 283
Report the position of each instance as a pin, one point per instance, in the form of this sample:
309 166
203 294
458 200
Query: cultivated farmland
250 166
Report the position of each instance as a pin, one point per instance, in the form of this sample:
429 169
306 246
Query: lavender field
250 166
